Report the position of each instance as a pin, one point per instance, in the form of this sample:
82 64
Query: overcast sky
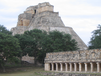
82 15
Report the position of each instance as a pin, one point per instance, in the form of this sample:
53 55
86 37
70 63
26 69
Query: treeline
9 47
35 43
95 41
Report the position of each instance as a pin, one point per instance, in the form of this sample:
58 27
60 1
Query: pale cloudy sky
82 15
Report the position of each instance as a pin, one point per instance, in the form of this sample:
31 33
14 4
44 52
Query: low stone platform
65 74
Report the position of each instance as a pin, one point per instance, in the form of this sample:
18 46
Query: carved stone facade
74 61
43 17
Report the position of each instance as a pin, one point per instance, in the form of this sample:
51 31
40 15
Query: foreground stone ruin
74 61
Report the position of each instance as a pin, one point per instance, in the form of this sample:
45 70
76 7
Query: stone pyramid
43 17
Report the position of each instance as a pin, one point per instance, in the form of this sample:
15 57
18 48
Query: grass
30 71
27 71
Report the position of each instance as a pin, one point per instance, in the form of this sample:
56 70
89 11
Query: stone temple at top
43 17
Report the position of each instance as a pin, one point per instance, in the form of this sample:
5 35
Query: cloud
82 26
82 15
9 10
8 22
80 10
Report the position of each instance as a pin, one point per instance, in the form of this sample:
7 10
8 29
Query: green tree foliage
26 42
95 42
56 42
36 45
9 48
4 30
62 42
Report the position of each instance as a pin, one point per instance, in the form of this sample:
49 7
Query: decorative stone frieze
74 56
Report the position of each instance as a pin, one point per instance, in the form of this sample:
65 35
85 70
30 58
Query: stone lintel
71 62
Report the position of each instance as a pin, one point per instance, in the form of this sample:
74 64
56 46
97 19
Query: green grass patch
33 71
26 71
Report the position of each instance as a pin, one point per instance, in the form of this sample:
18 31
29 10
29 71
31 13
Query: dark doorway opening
35 11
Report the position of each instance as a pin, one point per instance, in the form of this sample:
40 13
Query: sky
82 15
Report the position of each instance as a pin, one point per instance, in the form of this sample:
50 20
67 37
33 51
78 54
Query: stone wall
46 7
86 61
65 74
19 30
75 56
28 59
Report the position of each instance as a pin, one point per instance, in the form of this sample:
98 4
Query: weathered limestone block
20 23
28 59
47 67
45 8
24 19
30 11
19 30
26 22
75 56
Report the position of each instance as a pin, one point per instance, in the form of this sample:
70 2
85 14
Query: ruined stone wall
65 74
30 11
46 19
74 56
19 30
44 7
28 59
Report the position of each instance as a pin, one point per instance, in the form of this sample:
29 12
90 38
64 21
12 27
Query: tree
25 42
37 43
35 46
59 41
95 42
9 49
4 30
56 41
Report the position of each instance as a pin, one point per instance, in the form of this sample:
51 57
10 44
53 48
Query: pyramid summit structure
43 17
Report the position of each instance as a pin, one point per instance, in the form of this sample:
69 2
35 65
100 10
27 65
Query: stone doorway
64 67
50 66
34 11
59 69
95 67
54 66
